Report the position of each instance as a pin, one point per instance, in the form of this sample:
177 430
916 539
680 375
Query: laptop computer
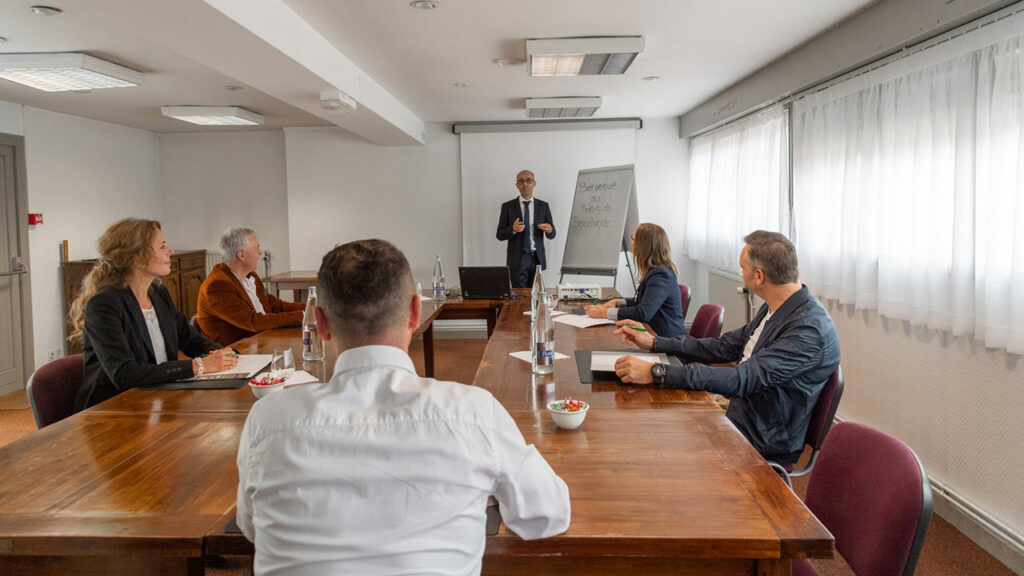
485 282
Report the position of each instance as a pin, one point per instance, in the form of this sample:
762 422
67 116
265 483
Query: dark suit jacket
774 391
657 303
226 314
541 215
117 348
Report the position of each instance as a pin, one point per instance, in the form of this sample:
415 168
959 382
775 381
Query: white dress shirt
380 471
533 223
249 284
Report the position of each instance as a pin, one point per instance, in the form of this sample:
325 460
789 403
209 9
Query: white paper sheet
526 357
300 377
580 321
248 365
605 361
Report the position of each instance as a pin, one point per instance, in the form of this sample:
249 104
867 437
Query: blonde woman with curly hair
130 329
657 302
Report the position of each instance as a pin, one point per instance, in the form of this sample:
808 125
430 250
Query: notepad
581 321
601 361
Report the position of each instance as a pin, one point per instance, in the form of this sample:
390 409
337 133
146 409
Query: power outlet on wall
56 353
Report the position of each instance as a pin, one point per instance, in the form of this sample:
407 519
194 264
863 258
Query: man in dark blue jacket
783 357
524 222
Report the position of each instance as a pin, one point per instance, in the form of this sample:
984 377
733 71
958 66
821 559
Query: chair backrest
870 490
821 418
707 323
52 389
684 297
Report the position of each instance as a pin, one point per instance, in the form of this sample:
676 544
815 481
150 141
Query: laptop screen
485 282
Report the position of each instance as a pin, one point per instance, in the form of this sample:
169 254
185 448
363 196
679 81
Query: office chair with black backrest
871 492
52 389
684 295
707 323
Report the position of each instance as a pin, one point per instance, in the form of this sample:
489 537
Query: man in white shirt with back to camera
379 471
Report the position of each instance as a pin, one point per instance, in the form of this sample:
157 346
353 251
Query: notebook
485 282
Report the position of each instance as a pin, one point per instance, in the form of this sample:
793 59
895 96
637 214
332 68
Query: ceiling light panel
59 72
566 107
582 56
213 115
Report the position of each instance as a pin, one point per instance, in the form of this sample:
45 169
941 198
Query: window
739 182
908 187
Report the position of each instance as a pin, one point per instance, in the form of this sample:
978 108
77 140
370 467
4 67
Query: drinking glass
282 365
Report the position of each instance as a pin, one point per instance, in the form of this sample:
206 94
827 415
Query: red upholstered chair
707 323
821 420
684 295
52 389
871 492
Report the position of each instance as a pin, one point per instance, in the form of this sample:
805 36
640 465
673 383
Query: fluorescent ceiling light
562 107
213 115
63 71
582 56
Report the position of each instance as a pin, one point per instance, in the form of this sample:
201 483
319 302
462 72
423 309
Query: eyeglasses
524 181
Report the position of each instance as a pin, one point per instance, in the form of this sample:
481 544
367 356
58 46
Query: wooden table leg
492 320
428 351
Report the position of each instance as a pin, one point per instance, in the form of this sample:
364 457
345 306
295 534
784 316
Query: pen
637 328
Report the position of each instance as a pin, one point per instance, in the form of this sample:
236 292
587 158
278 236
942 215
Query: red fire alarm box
34 219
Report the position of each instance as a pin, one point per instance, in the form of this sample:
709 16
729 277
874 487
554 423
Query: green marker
637 328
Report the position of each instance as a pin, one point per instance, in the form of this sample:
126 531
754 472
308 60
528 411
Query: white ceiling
400 64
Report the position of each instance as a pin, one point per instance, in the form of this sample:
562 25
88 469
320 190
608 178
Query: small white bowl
567 420
261 390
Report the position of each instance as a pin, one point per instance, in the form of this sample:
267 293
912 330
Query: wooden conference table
660 481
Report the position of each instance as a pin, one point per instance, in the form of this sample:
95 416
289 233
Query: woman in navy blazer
657 300
121 312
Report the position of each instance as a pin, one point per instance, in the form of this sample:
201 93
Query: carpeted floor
947 552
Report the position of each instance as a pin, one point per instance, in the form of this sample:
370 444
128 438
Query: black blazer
117 348
657 302
541 215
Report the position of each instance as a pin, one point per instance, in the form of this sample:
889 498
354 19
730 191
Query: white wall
662 162
210 182
12 119
343 188
82 175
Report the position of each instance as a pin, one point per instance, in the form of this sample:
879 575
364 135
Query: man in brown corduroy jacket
233 304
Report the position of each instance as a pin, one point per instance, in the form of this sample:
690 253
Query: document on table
526 357
248 365
605 361
300 377
581 321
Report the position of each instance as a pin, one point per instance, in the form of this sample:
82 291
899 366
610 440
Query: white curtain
738 184
908 187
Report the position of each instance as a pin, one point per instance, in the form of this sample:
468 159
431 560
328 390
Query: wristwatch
658 371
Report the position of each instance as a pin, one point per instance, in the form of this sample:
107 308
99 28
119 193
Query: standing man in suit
524 222
233 304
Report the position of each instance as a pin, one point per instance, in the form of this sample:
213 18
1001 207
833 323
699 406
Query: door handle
17 267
